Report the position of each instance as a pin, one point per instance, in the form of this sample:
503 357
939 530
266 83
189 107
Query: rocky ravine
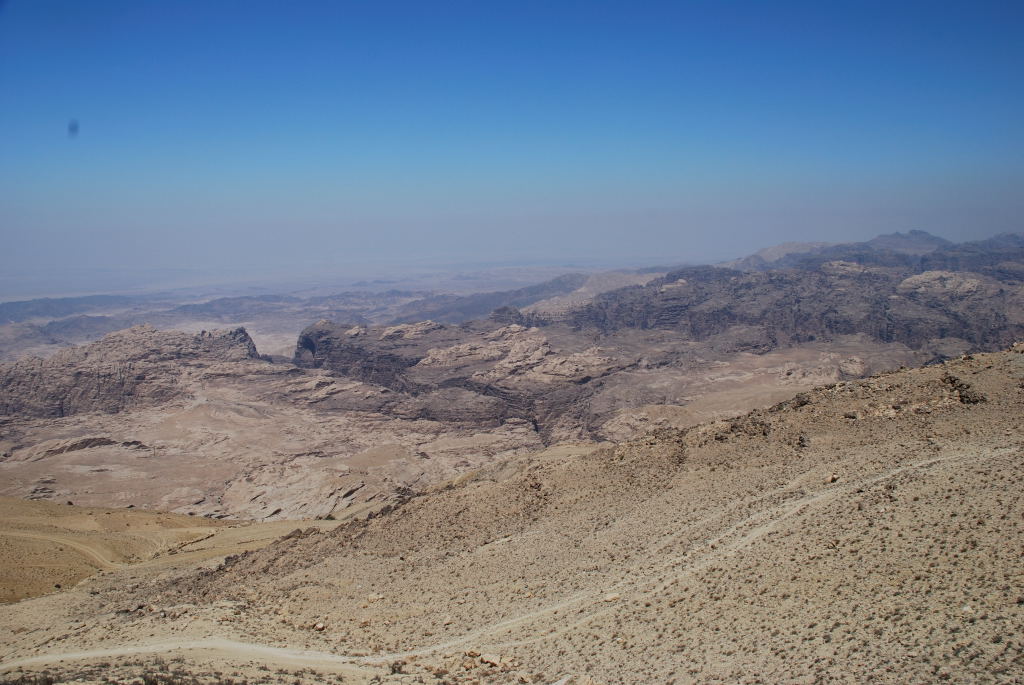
863 531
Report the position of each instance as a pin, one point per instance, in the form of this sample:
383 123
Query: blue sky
299 134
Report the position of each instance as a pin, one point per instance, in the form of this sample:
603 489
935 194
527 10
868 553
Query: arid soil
680 475
48 547
865 531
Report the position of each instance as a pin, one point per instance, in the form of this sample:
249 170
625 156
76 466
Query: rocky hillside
1001 257
365 413
199 424
130 368
859 532
913 243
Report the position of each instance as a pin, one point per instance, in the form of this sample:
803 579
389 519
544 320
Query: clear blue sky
293 133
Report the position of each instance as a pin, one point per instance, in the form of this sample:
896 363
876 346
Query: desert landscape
511 343
543 495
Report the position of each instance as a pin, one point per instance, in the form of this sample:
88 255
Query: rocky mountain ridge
40 326
790 306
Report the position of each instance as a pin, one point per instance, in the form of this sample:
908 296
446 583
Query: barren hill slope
46 546
866 531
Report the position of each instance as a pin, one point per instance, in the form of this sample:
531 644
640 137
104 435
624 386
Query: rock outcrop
570 368
200 424
135 367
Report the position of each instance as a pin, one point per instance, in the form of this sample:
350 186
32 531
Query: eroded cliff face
136 367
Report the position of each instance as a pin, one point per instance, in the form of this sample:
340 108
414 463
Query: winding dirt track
91 552
733 539
215 645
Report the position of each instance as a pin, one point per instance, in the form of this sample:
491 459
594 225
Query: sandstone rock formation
136 367
572 371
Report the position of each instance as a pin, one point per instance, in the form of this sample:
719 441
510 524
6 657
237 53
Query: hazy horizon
328 276
138 139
